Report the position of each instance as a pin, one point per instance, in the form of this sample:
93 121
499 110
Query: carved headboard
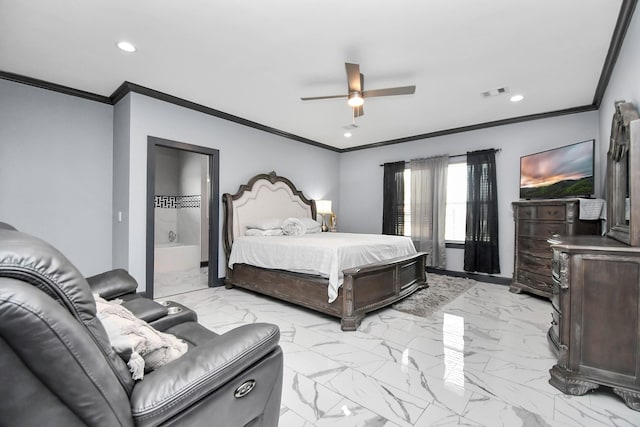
264 196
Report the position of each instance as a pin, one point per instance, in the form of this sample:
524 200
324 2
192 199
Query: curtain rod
497 150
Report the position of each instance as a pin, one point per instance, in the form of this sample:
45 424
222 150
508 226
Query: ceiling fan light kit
355 99
356 93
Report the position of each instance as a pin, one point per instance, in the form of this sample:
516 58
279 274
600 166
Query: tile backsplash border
177 202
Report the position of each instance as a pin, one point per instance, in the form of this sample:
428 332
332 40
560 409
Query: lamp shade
323 206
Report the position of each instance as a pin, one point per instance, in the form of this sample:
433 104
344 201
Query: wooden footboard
374 286
365 288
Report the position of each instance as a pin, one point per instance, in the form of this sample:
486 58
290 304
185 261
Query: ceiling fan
357 94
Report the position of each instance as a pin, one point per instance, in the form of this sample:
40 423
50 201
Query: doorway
182 217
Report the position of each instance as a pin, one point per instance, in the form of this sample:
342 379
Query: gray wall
244 152
361 174
624 83
167 172
189 225
121 144
56 171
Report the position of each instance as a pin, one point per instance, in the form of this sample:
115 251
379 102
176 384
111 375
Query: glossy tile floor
482 360
177 282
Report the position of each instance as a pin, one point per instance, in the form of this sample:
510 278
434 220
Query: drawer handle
554 323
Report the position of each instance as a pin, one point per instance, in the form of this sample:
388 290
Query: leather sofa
57 366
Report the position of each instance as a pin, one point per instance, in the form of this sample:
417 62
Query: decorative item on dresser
537 221
595 327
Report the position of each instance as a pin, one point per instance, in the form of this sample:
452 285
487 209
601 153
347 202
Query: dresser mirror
623 178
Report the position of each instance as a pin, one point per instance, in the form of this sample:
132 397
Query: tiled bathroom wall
177 219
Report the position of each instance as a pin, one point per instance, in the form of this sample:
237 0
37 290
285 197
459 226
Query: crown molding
624 19
54 87
478 126
619 32
128 87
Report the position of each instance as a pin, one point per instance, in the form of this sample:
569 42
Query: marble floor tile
437 416
313 365
489 411
291 419
349 414
306 397
481 360
393 404
598 408
177 282
431 390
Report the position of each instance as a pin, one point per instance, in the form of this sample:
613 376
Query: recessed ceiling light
126 46
347 134
516 98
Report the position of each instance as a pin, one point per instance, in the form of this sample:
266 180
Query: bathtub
176 257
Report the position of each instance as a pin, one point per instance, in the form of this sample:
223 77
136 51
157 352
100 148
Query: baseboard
486 278
218 282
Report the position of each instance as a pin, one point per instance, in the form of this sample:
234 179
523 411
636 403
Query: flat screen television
560 172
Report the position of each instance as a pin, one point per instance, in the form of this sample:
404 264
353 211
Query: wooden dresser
595 327
536 221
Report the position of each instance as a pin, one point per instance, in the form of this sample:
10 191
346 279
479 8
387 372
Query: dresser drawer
528 212
536 281
536 247
539 264
542 230
545 212
557 212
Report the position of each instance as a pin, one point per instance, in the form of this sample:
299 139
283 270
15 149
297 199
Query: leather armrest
182 383
112 284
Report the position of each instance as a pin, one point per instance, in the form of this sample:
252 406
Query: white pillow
310 223
266 224
258 232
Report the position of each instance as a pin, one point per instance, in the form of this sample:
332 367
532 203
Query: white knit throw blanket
293 227
127 333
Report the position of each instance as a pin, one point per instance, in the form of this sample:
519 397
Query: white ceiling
255 58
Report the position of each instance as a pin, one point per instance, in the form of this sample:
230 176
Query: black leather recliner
57 367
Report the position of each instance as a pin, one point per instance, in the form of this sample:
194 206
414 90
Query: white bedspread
325 254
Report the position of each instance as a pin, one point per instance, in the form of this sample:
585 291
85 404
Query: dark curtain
481 240
393 199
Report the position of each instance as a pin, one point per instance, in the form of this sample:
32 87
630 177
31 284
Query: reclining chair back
45 303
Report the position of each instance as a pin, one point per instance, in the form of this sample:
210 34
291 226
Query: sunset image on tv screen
562 172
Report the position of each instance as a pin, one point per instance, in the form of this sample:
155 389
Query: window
456 202
455 225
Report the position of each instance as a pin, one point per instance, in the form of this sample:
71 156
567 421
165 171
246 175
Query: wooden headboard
264 196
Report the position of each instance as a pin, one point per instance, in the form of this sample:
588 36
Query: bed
362 288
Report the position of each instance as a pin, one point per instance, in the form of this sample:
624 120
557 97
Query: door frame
214 212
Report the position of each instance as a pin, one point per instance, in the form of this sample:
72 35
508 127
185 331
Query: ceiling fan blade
358 111
353 77
313 98
404 90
